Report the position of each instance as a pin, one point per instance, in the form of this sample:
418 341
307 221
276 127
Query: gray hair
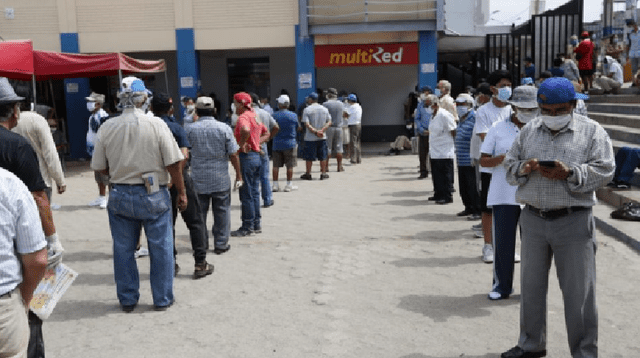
433 99
446 85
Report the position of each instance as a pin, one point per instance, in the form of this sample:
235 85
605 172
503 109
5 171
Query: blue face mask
504 94
437 92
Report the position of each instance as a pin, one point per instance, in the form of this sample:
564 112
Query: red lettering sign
366 55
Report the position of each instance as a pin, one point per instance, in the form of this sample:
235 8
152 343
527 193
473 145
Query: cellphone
547 163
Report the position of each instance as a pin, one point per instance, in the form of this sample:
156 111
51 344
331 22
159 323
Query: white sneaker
478 234
487 253
141 252
476 227
275 187
516 258
103 203
97 201
290 187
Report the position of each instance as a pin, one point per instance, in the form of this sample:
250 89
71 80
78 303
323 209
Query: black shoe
306 176
128 308
257 230
266 205
444 201
241 232
202 269
423 176
432 198
463 213
324 176
219 251
517 352
176 269
163 308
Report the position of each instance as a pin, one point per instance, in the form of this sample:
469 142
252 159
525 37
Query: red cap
243 98
585 34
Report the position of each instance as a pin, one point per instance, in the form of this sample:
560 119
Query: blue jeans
250 166
220 205
131 208
627 160
267 196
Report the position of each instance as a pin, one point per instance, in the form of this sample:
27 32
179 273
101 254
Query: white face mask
423 97
526 117
429 111
91 106
556 123
462 111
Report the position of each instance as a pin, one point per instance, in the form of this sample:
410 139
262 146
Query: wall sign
366 55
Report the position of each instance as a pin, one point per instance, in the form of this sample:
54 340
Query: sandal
202 270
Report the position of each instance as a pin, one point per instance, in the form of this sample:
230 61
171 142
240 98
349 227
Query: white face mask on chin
556 123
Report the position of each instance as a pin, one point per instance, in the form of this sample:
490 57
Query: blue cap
313 95
352 97
558 90
527 81
426 88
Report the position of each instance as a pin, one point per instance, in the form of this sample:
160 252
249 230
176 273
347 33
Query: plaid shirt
583 145
211 144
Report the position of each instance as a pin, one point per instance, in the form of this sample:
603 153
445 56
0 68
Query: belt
557 213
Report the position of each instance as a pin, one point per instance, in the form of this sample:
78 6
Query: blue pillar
428 67
76 89
188 72
305 67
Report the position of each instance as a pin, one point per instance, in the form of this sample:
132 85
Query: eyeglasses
555 112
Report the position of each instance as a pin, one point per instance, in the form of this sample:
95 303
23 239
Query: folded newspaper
50 290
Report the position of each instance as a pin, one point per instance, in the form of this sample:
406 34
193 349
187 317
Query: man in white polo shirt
614 79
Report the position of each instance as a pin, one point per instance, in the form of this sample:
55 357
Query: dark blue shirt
557 71
530 71
178 132
288 123
18 157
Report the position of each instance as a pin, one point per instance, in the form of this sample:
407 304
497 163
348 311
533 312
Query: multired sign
366 55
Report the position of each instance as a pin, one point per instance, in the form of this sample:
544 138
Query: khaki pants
14 327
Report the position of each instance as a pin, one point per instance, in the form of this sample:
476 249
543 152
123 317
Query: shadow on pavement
405 194
86 256
420 355
67 310
440 217
406 202
435 262
396 179
440 308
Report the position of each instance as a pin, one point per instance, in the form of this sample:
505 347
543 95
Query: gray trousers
570 242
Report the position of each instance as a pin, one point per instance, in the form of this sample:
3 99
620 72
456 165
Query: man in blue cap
558 161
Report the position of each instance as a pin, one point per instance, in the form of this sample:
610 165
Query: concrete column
428 67
188 66
305 67
75 90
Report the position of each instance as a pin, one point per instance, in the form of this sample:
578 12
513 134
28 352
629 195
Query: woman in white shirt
502 196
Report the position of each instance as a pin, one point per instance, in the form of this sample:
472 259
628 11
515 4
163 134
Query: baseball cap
283 99
313 95
95 97
558 90
426 88
352 97
161 102
7 94
204 103
484 88
527 81
464 98
585 34
132 84
524 97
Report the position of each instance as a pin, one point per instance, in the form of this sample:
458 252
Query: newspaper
50 290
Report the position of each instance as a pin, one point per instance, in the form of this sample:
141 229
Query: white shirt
634 44
616 69
497 142
441 142
486 116
355 114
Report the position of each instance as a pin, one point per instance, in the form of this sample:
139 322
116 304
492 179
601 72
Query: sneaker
478 234
494 296
516 257
474 217
290 187
202 269
103 203
241 232
306 176
257 230
324 176
477 227
142 251
266 205
275 187
487 253
97 201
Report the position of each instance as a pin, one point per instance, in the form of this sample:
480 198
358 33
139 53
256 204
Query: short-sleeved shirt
95 121
179 134
20 229
212 144
487 115
354 110
634 44
497 142
248 119
266 120
18 157
336 108
36 130
133 144
570 69
616 69
286 137
441 144
463 139
317 116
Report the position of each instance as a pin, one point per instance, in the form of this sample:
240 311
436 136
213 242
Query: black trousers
423 152
468 189
36 339
442 174
194 219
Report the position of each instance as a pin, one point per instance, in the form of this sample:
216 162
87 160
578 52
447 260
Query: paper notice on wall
305 80
72 87
428 67
186 82
50 290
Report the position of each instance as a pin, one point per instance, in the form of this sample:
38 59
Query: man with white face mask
422 117
98 115
558 162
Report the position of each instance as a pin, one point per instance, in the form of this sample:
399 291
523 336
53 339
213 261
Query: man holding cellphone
558 161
